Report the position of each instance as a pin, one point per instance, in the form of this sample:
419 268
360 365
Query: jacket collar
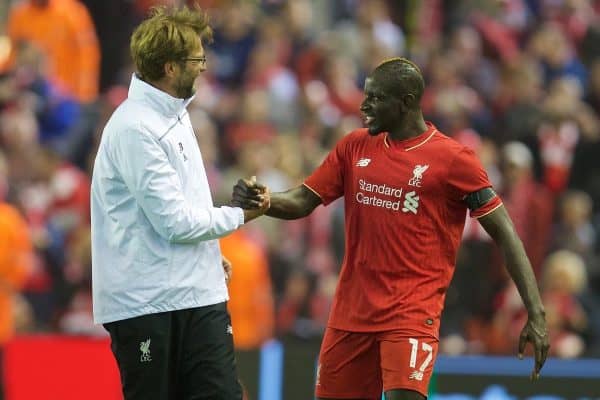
160 101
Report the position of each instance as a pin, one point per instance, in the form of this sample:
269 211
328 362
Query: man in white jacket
159 279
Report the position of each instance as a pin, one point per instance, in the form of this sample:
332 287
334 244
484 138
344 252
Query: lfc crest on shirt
417 175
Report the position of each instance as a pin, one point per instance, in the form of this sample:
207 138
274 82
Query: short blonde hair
168 34
566 269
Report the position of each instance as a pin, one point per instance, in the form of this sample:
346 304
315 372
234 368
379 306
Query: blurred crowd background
517 80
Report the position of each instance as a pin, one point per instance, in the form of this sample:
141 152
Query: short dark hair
168 34
400 76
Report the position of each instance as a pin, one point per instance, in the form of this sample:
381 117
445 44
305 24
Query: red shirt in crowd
404 216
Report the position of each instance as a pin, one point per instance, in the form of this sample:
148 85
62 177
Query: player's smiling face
381 110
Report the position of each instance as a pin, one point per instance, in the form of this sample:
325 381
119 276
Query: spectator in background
58 211
16 257
114 20
518 100
251 304
75 316
69 192
251 124
574 230
235 38
64 31
557 55
530 204
295 314
564 279
448 96
593 93
267 70
566 120
57 112
480 72
16 262
299 19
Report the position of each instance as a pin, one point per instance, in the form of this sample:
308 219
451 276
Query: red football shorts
363 365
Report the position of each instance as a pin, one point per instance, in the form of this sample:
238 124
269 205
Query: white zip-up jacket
154 225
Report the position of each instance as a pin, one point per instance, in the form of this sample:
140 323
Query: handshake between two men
253 197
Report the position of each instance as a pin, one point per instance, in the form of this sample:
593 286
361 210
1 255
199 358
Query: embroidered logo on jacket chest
181 151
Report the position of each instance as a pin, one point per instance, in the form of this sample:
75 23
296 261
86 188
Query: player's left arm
499 226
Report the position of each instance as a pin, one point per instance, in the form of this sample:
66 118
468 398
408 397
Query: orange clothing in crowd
251 302
65 32
15 263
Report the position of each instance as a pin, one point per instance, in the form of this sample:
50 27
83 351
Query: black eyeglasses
201 59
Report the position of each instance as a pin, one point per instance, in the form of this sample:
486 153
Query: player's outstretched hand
253 197
535 331
249 194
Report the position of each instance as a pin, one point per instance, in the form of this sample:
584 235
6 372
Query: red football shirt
404 216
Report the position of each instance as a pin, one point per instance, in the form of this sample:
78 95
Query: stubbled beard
186 91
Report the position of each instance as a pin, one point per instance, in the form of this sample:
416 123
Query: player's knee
403 394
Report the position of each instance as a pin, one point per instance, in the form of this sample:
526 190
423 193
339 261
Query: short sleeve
466 176
327 181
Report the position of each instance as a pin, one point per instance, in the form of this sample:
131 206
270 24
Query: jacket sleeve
145 168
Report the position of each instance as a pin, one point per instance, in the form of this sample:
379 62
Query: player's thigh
208 367
407 363
348 366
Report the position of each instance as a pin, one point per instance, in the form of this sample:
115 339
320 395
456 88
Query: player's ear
409 101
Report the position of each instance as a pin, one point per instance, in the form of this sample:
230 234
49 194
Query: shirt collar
160 101
411 143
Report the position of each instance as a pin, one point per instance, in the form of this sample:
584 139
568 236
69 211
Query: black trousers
177 355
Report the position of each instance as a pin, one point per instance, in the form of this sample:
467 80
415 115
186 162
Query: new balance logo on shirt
363 162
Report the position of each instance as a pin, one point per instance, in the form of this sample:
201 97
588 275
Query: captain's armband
480 198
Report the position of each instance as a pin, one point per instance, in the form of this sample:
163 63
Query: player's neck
413 125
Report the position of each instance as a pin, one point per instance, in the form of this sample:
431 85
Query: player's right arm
292 204
323 186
